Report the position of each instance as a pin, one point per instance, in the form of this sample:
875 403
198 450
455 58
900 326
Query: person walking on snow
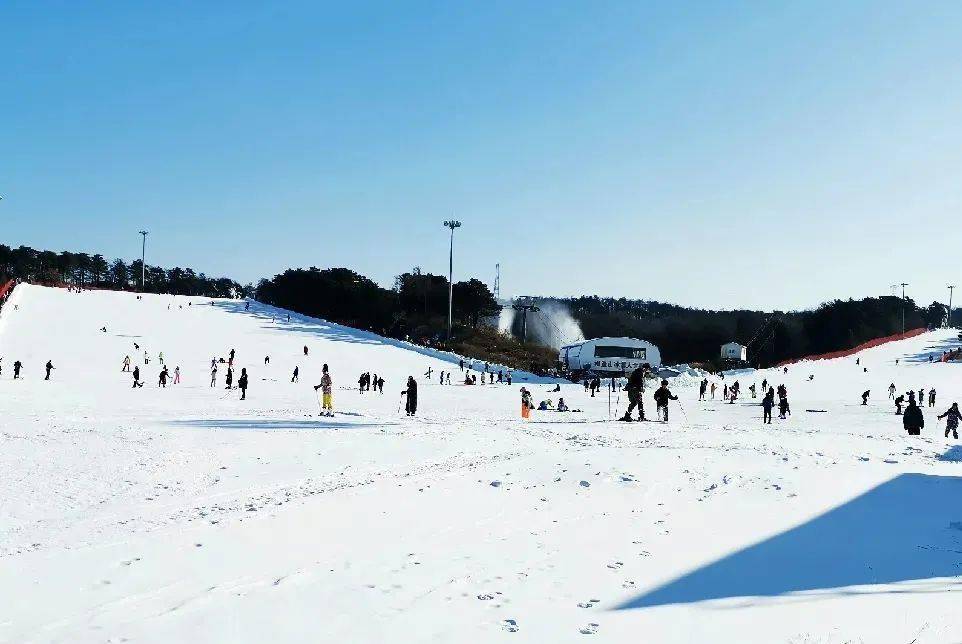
230 378
932 397
326 386
912 419
952 417
892 391
136 375
49 367
865 395
713 388
898 405
305 349
429 372
526 403
662 396
767 404
146 358
17 366
242 383
267 360
126 367
162 379
177 375
461 365
635 387
411 405
160 357
296 372
213 373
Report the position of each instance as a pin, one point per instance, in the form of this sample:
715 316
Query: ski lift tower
497 282
524 307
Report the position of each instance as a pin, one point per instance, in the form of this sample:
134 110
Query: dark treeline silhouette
417 307
695 335
95 271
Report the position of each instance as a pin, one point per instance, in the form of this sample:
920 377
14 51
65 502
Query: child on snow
952 417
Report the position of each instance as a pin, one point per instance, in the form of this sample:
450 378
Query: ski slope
186 514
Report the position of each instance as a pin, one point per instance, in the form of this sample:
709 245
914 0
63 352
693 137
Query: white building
734 351
609 356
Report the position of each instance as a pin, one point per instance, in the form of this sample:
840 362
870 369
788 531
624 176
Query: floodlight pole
143 258
904 284
948 320
452 224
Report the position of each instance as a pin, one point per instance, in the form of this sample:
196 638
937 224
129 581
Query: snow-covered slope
185 514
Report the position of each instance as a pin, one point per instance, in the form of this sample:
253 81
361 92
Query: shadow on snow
909 528
254 423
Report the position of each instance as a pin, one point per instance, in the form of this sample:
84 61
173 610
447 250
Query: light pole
948 320
143 258
904 284
452 224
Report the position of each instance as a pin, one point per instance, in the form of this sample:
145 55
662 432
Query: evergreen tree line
695 335
416 308
95 271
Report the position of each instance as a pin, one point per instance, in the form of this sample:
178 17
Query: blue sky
717 154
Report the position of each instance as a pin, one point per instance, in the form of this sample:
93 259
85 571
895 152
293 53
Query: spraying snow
553 325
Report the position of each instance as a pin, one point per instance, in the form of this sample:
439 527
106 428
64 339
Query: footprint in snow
628 584
590 629
615 565
589 604
510 625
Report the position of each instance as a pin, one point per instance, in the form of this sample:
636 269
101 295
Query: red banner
6 288
865 345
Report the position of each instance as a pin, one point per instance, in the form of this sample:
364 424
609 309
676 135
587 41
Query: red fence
5 289
865 345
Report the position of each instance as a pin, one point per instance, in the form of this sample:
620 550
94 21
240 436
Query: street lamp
948 320
143 257
452 224
904 284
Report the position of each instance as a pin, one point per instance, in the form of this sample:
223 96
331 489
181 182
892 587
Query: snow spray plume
553 325
506 320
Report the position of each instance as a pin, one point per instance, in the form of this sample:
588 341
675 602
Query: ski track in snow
185 514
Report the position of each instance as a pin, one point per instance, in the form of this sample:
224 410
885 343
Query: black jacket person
662 396
411 405
912 419
636 382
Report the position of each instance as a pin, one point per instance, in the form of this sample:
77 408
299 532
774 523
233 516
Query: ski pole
682 408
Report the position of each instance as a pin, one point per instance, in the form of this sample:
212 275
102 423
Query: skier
952 417
160 357
932 397
247 306
126 364
136 375
767 403
177 375
892 391
327 407
146 358
783 408
267 360
921 396
725 393
213 373
912 419
380 384
360 383
230 378
411 405
662 396
461 365
636 385
865 395
765 384
509 378
297 370
898 405
17 366
49 366
713 388
162 378
242 383
429 372
231 357
752 389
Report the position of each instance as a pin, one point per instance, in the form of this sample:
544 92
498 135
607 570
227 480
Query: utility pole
948 320
452 224
904 284
143 258
524 308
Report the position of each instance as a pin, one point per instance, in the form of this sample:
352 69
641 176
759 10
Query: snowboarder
326 386
126 367
17 366
635 387
525 403
932 397
767 404
952 417
662 396
411 405
912 419
865 395
177 375
136 375
297 370
242 383
49 367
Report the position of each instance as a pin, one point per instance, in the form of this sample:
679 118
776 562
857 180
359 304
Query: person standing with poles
635 388
662 396
326 386
411 405
242 383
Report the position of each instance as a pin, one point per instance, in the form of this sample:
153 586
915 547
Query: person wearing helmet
662 396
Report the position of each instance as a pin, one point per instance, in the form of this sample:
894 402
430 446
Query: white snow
185 514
